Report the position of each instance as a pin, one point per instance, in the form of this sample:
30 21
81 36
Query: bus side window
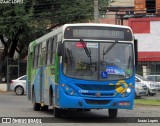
48 52
54 45
39 55
35 58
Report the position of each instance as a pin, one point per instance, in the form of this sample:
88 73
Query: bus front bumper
67 101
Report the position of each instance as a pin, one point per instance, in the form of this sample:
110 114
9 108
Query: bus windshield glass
98 60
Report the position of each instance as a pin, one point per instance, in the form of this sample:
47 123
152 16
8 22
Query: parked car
140 90
152 86
18 85
153 78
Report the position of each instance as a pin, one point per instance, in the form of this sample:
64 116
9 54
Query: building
118 12
143 16
147 32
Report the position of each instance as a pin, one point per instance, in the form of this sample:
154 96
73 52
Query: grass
146 102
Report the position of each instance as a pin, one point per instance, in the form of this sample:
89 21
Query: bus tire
87 110
36 106
112 113
57 113
44 108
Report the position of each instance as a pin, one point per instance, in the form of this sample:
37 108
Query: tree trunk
5 51
13 48
14 45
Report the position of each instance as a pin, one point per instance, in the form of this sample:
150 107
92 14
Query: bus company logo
98 94
11 1
6 120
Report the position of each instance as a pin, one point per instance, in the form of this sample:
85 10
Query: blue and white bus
83 66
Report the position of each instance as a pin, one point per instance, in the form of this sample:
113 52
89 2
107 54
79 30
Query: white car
153 78
140 90
18 85
151 85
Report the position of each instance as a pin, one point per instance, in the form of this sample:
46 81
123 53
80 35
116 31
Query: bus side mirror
60 49
136 51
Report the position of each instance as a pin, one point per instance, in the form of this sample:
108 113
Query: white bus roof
60 29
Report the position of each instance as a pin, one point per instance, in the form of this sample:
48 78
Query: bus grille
99 102
96 87
102 94
103 90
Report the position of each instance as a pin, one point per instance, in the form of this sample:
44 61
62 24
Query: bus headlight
68 90
128 90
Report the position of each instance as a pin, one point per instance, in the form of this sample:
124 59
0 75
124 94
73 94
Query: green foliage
68 11
22 23
14 24
147 102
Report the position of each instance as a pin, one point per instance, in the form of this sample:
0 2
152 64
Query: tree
19 25
68 11
14 24
14 29
22 23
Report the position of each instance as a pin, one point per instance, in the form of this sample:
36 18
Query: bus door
29 67
41 85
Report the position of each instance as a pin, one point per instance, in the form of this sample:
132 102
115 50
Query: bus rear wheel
57 112
44 108
36 106
112 113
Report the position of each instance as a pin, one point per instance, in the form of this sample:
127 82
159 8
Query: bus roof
60 29
96 24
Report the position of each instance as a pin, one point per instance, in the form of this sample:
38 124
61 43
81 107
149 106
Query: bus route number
83 91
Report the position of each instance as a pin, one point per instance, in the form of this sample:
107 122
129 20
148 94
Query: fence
148 68
12 69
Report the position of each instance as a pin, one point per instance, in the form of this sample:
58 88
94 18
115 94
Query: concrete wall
3 87
149 42
147 31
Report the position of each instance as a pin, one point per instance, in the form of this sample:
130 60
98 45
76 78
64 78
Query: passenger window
35 57
151 78
51 50
54 45
39 55
48 52
158 78
23 78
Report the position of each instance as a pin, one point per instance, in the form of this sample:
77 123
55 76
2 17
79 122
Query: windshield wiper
109 48
85 48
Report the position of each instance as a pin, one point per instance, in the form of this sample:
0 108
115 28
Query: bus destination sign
97 32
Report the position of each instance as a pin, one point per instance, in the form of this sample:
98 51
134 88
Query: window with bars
151 6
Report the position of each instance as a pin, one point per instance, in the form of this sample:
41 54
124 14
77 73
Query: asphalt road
12 105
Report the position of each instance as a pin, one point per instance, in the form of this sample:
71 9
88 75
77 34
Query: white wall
150 42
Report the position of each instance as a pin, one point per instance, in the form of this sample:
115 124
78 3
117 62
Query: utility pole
96 11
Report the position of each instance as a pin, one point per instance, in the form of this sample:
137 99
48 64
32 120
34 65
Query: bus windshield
98 60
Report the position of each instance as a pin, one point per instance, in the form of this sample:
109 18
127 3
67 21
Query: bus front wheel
57 112
112 113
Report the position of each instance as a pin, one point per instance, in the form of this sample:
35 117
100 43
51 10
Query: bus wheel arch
50 95
36 106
